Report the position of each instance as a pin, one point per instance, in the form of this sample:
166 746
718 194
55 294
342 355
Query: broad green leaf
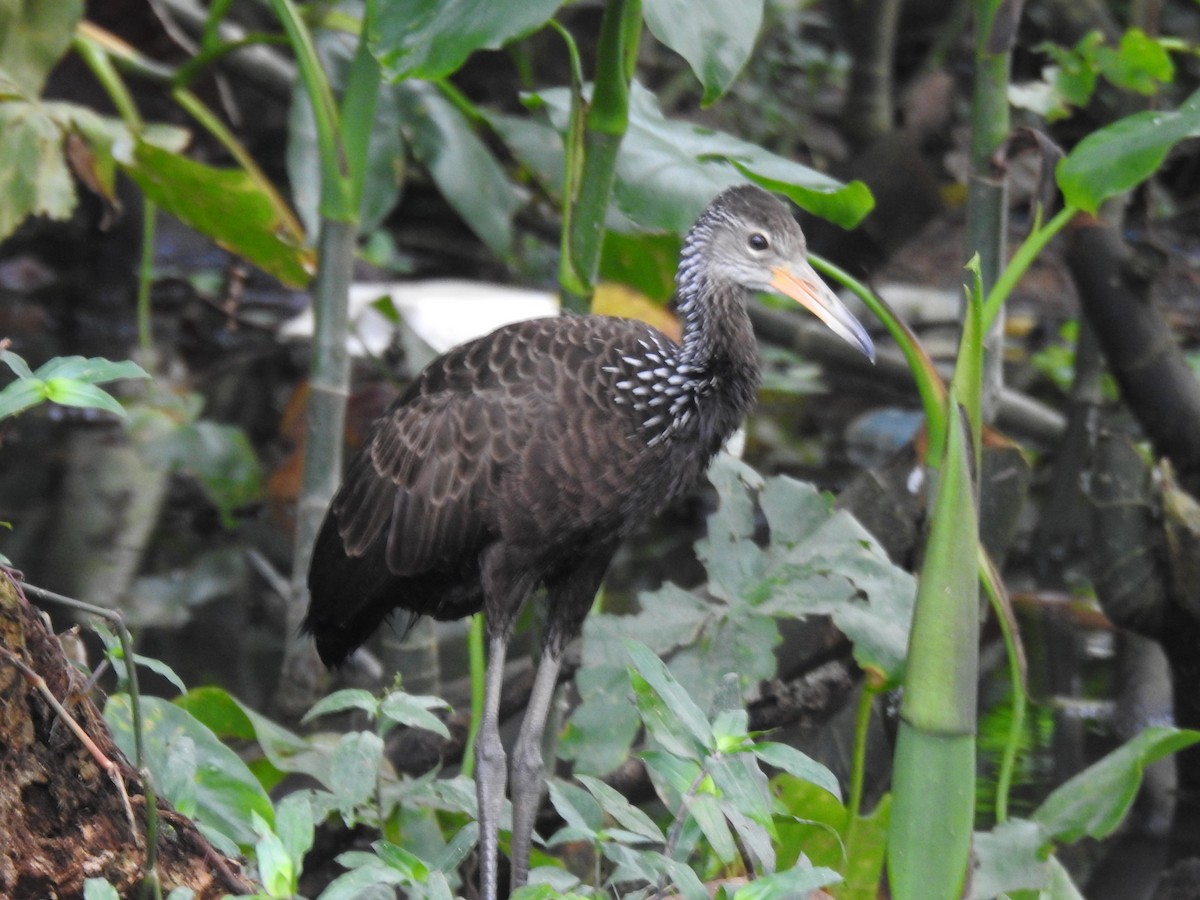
669 170
339 701
354 769
396 857
599 733
414 711
276 869
651 865
20 395
678 710
19 367
65 392
227 205
1120 156
33 37
99 889
1094 802
465 171
1010 858
1140 63
706 810
161 669
798 764
580 810
226 793
230 718
798 881
714 37
179 778
816 563
432 38
33 170
94 370
365 882
295 827
620 809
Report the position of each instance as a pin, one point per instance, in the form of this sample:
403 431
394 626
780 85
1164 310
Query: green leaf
33 37
227 205
579 810
1140 63
354 770
1094 802
795 882
706 810
365 882
667 710
276 869
1010 858
651 866
715 38
94 370
295 827
798 764
160 668
615 805
396 857
99 889
33 170
465 171
20 395
339 701
1122 155
16 363
669 170
286 752
432 38
226 793
414 711
86 396
816 563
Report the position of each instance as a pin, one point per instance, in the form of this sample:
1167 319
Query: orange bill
800 281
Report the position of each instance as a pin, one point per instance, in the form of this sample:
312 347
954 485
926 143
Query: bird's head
748 237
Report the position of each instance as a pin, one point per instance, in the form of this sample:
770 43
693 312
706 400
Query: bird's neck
717 338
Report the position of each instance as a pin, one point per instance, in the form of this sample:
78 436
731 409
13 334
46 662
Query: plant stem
998 599
930 385
588 189
478 669
145 277
858 763
1021 261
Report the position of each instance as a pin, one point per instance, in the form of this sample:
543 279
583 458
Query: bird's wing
425 481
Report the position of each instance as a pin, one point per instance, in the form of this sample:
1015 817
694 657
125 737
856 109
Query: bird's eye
758 241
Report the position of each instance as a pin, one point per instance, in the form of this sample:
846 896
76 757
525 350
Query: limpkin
521 459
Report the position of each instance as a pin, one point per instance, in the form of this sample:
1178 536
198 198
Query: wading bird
521 459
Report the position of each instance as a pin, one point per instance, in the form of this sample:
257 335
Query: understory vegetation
813 696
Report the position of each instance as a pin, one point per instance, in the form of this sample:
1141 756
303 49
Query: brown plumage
521 459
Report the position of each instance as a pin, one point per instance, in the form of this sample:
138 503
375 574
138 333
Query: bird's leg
528 768
490 769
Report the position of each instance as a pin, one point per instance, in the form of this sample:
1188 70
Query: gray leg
490 770
528 775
